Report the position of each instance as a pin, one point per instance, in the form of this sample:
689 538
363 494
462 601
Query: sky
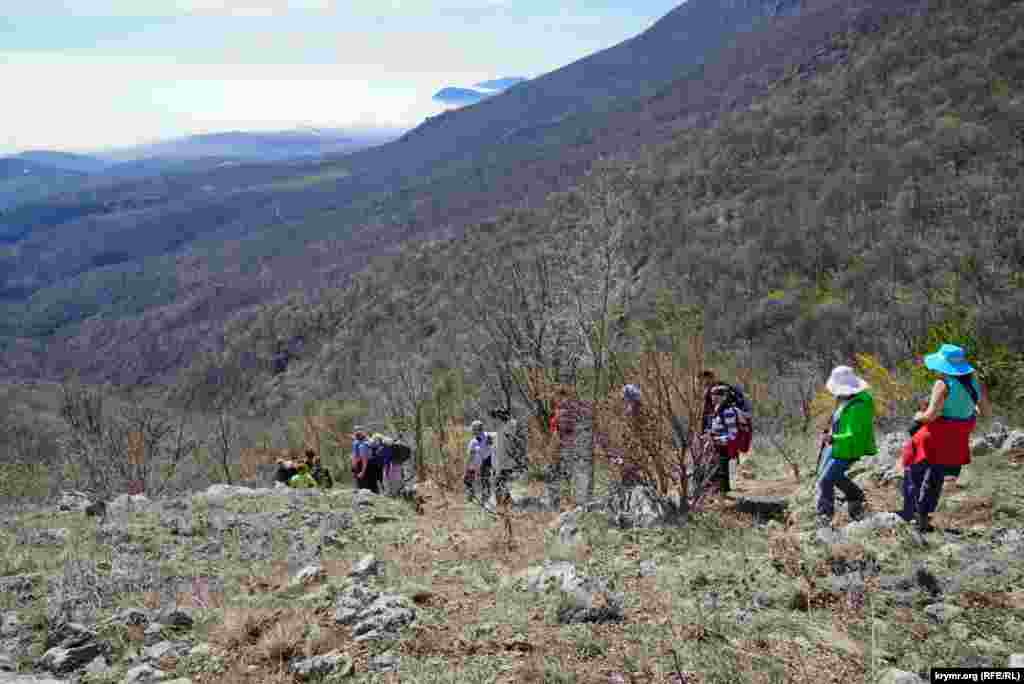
85 75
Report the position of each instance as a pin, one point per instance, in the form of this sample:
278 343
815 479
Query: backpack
745 429
380 454
400 453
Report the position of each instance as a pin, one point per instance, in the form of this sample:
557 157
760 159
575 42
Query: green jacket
302 480
854 436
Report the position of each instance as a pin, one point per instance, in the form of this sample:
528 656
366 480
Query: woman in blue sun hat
942 446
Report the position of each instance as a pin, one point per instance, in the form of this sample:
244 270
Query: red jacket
942 442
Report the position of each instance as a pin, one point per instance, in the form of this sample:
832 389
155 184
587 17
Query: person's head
377 438
718 394
844 382
949 360
477 427
708 379
359 432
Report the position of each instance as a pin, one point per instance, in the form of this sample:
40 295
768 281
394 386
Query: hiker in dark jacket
941 447
850 436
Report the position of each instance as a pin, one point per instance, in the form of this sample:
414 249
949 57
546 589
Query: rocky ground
261 585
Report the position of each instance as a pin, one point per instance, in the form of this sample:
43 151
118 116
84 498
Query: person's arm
857 414
935 404
984 401
473 452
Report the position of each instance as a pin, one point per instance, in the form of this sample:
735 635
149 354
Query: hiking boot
855 509
923 525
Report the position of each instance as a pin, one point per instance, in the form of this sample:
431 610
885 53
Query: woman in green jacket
851 436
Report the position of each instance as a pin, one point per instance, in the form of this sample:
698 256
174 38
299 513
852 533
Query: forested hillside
870 206
143 272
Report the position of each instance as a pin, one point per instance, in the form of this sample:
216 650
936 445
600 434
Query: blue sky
82 75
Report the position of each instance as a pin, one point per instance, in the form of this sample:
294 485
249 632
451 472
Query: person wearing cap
723 429
480 459
941 447
850 436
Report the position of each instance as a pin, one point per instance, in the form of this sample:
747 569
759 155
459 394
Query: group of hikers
938 444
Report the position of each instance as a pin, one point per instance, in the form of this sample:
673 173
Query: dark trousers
722 474
371 479
922 487
484 474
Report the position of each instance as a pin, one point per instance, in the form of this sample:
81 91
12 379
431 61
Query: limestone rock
128 503
178 618
320 666
943 612
385 662
875 521
365 567
74 501
642 507
373 615
894 676
61 661
144 673
310 574
130 616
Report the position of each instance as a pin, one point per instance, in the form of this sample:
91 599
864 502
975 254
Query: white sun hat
844 382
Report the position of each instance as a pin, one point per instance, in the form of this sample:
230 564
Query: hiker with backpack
723 431
480 453
940 441
737 400
849 437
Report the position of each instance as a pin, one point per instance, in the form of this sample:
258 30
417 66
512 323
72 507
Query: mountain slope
866 200
318 229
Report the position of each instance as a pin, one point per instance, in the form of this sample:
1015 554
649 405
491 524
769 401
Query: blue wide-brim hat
950 359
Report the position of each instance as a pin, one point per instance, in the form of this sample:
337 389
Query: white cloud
91 102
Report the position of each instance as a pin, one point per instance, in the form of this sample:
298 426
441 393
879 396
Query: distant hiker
850 436
723 431
480 459
320 473
940 446
286 470
638 461
302 479
362 471
737 400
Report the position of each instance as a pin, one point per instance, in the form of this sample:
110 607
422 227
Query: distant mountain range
256 146
459 97
33 175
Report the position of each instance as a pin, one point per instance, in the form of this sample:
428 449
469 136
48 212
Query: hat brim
938 363
838 390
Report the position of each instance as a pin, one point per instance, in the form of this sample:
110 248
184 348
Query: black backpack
400 453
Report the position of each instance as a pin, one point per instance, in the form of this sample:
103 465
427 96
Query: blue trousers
922 486
832 475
